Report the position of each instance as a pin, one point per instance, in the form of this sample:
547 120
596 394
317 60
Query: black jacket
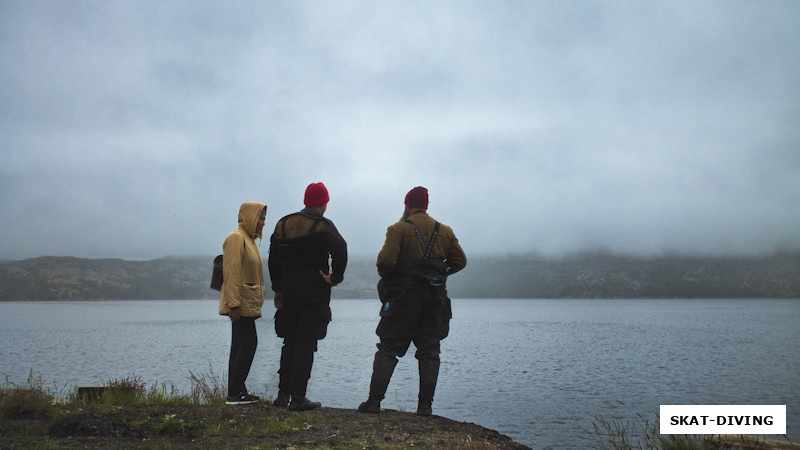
299 248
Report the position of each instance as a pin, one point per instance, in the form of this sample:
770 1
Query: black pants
244 341
422 317
300 328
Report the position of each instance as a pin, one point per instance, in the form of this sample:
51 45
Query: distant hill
68 278
604 275
589 275
186 277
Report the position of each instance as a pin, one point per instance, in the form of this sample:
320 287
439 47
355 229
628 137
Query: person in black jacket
299 252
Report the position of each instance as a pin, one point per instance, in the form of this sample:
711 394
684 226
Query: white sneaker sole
248 402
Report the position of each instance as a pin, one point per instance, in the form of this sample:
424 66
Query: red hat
316 195
417 198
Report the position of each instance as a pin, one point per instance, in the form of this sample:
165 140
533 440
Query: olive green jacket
402 245
242 267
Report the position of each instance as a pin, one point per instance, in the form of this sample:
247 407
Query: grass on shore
125 413
642 434
206 389
42 413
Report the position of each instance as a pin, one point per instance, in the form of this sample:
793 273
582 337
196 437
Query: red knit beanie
316 195
417 198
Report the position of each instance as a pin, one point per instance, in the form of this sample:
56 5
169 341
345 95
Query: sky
136 129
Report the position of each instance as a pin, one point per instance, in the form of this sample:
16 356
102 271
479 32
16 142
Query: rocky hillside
593 275
68 278
603 275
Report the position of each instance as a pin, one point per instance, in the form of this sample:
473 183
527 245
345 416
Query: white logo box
723 419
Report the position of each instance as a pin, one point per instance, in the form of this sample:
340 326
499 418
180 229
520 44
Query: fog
136 129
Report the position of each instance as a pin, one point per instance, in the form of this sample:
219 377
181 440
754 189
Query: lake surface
539 371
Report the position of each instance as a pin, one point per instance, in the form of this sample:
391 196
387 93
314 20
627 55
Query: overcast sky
136 129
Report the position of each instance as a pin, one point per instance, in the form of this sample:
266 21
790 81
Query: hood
249 214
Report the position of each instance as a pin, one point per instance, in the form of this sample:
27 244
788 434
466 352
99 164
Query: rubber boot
382 369
428 375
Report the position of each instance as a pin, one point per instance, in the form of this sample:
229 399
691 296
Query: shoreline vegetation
124 413
127 414
586 275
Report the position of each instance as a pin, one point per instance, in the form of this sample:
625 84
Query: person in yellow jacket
242 296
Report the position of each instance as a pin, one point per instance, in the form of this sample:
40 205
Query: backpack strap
311 230
426 250
314 226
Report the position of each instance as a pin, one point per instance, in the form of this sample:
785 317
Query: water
539 371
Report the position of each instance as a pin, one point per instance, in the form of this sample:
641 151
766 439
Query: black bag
216 275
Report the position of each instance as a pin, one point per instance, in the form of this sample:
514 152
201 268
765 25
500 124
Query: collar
311 212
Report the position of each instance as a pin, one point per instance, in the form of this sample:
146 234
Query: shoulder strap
433 239
425 250
311 230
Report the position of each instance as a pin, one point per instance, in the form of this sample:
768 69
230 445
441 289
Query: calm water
539 371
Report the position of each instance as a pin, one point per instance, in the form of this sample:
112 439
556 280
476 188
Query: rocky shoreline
243 426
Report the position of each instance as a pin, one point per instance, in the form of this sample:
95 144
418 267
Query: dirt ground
242 426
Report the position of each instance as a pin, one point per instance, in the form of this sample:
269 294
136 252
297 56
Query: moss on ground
244 426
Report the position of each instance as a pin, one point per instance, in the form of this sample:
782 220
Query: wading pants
420 319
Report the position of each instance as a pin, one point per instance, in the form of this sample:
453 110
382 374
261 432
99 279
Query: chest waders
385 362
426 250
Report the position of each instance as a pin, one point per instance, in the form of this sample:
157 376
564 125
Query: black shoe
370 407
241 399
424 409
282 400
303 404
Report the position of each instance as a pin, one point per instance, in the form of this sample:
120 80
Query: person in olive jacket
417 257
299 253
242 295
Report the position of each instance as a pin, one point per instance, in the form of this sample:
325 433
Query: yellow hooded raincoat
242 267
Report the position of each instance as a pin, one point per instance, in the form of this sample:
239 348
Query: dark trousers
300 329
425 332
422 316
244 341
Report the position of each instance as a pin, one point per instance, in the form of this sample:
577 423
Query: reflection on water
539 371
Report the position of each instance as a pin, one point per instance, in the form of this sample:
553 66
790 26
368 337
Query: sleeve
456 259
232 251
338 251
274 264
387 257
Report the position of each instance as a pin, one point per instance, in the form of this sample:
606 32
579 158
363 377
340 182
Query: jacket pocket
252 294
444 326
323 318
